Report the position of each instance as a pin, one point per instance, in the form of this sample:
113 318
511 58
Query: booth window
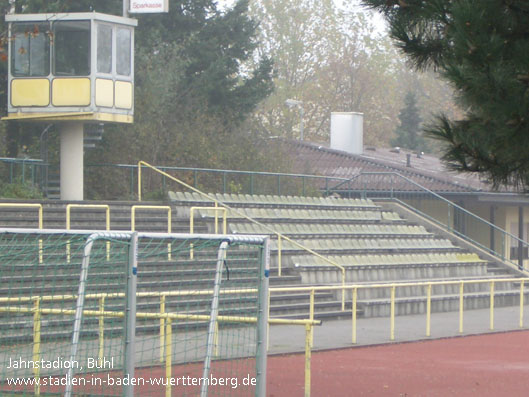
104 48
72 48
31 49
123 52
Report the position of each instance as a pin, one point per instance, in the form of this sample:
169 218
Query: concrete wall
505 217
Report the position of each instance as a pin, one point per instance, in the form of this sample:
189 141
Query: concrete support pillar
492 219
72 160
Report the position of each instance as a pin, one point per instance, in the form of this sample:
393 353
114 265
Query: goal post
140 324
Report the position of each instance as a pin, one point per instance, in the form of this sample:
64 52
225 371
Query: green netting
39 271
190 283
39 282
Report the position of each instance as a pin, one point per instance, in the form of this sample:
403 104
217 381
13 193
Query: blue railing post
303 185
224 183
279 185
364 191
251 184
131 181
195 178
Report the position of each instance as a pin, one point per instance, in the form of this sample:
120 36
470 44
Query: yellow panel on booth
70 92
104 93
123 95
30 92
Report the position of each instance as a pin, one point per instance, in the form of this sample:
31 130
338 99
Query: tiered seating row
273 200
301 214
318 229
368 244
398 259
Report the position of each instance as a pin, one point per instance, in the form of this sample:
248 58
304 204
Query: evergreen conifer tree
482 49
409 131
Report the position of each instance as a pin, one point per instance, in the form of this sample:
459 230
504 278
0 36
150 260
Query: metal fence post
262 326
461 306
130 315
131 181
308 336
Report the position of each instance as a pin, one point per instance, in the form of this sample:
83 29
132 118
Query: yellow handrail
115 295
36 341
216 209
24 205
241 214
168 355
393 287
101 353
16 205
87 206
37 311
152 207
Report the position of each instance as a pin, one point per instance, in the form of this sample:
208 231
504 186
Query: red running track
494 365
485 365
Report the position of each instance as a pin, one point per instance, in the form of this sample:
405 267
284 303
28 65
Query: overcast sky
349 4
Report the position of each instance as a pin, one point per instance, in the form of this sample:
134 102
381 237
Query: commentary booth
77 66
71 69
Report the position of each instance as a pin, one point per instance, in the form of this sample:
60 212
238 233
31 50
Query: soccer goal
128 313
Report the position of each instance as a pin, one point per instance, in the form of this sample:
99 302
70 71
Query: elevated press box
72 67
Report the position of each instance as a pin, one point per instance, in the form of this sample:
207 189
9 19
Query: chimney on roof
408 160
347 132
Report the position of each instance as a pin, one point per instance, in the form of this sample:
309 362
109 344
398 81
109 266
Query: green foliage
234 187
482 49
155 195
19 190
338 61
409 131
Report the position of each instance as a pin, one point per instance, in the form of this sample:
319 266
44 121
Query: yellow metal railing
216 210
168 318
69 208
36 341
165 337
152 207
394 286
23 205
280 236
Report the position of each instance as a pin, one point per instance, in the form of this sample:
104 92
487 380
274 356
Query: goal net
135 314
